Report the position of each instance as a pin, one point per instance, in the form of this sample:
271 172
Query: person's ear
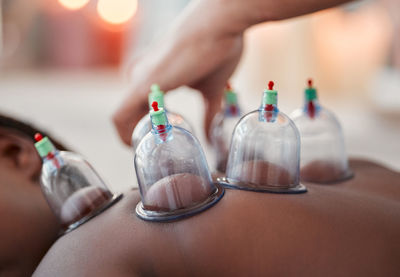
18 153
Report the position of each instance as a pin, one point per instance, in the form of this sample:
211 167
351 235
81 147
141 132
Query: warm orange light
116 11
73 4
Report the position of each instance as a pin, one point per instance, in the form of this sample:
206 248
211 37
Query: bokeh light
73 4
116 11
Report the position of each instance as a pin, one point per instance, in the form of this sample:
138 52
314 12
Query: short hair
26 129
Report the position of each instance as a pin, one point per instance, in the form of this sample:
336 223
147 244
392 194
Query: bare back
347 229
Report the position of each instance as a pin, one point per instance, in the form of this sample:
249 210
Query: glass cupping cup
172 172
222 128
265 151
323 153
72 188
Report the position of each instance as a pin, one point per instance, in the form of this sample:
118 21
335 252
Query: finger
178 61
145 71
212 86
169 68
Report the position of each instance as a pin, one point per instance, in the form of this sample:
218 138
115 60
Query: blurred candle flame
116 11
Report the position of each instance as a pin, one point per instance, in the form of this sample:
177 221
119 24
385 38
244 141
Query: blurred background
63 65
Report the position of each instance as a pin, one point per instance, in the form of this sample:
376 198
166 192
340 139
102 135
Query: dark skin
346 229
28 227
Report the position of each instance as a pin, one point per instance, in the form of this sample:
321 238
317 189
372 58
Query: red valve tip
309 82
228 86
38 137
271 85
155 106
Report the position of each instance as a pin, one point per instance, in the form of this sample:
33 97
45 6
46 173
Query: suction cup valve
265 151
144 125
73 189
323 154
172 172
222 128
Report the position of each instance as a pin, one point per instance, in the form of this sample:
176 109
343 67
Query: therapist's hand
199 52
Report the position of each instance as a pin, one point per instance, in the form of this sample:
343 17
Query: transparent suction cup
74 191
222 128
323 154
265 151
144 125
172 172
